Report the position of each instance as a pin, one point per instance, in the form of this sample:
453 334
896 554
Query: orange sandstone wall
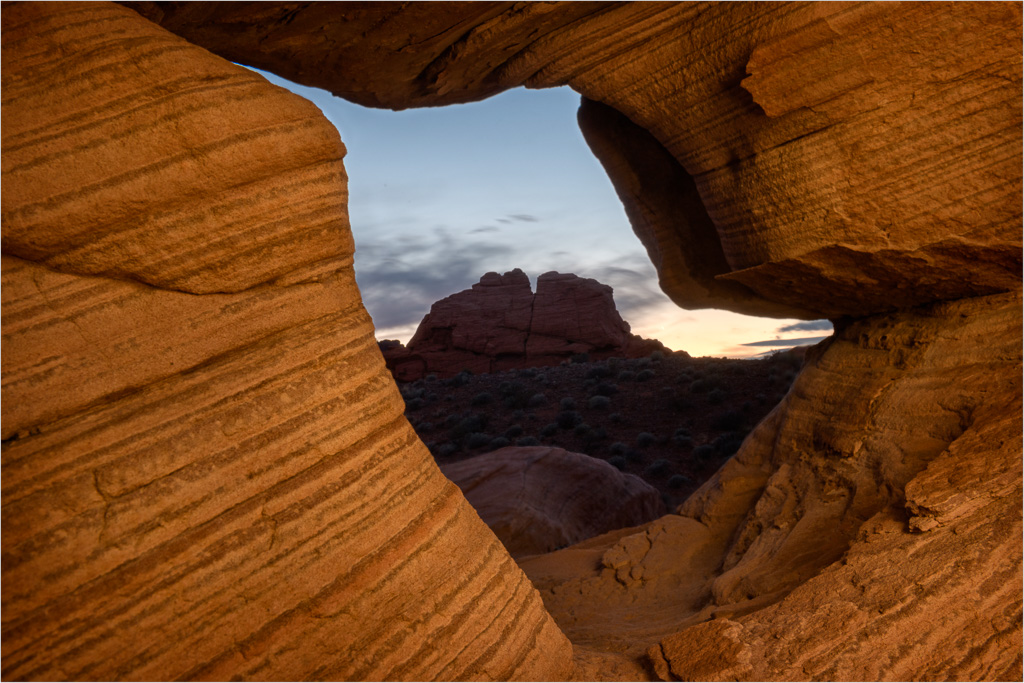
206 470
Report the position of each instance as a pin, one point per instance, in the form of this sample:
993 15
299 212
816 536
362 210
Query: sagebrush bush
478 440
634 455
598 372
658 468
617 448
580 358
582 429
567 419
537 400
447 449
605 389
644 375
513 431
677 480
598 402
615 417
618 462
498 442
626 376
645 439
549 429
481 399
716 396
527 441
567 403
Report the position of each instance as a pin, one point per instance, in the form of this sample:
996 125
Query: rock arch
206 470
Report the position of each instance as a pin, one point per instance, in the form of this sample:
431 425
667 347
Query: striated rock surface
206 471
540 499
853 158
868 529
501 324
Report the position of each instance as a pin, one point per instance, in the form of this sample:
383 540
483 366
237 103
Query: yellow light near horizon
708 332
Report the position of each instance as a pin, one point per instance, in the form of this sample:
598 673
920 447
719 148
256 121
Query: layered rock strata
206 471
500 324
540 499
868 529
201 440
851 156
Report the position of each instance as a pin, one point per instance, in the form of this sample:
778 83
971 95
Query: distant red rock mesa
500 324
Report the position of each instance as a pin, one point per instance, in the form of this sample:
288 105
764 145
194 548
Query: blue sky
440 196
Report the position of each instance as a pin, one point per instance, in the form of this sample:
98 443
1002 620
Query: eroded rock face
869 528
850 156
206 471
200 438
500 324
540 499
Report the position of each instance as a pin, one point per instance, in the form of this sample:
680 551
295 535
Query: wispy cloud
786 343
524 217
487 228
807 326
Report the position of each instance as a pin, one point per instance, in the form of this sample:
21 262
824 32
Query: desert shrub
542 378
617 448
459 380
716 396
451 421
677 480
598 402
537 400
615 417
513 431
598 372
414 404
704 451
633 455
518 415
567 419
425 426
626 376
761 398
580 358
582 429
447 449
481 399
644 375
468 425
498 442
478 440
700 386
600 433
431 378
658 468
527 373
657 355
618 462
645 439
549 429
605 389
527 441
567 403
728 421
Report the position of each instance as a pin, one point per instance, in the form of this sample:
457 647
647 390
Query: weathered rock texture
206 474
850 156
540 499
501 324
868 529
206 471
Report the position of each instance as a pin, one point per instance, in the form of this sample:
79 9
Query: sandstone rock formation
501 324
540 499
206 471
